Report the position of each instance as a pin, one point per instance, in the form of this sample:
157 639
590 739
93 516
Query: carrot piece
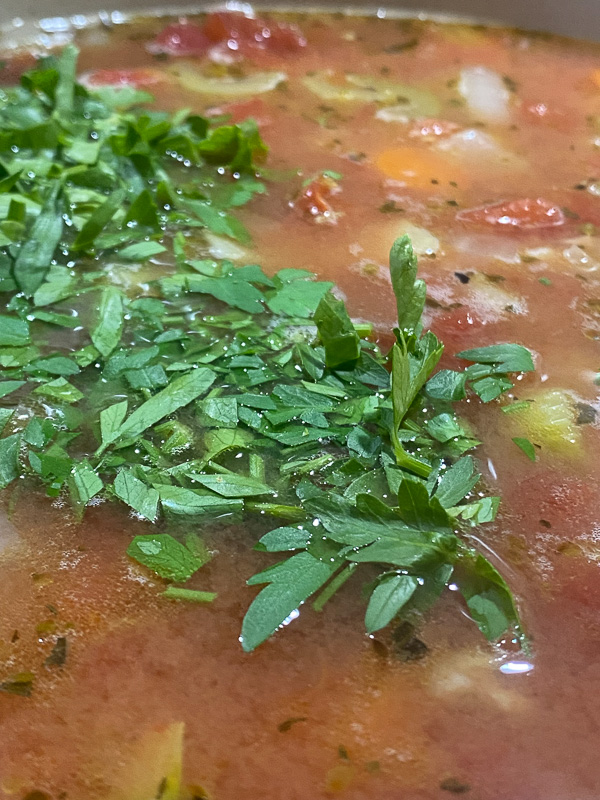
419 168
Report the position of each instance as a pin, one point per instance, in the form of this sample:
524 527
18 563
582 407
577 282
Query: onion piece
577 257
485 93
413 102
468 143
424 243
228 86
221 247
474 144
393 114
489 246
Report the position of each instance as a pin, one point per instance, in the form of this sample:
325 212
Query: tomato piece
138 78
181 39
242 33
313 201
524 213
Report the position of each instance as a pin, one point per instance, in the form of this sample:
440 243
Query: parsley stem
189 595
292 513
333 586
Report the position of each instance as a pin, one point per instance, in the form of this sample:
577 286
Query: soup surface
483 146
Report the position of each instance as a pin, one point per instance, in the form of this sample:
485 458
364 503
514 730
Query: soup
167 403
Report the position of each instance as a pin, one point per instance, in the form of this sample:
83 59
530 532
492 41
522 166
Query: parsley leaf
488 376
13 332
409 292
35 255
488 597
164 555
388 599
141 498
85 482
180 392
233 404
504 357
107 333
290 583
526 446
336 331
457 482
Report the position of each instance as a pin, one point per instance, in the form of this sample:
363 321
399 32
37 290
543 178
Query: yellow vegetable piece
339 779
419 168
595 76
549 421
154 768
228 86
332 86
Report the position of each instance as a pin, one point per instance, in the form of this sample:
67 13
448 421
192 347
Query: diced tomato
242 33
181 39
237 32
432 129
524 214
138 78
314 199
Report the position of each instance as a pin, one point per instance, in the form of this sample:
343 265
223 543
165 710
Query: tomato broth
482 144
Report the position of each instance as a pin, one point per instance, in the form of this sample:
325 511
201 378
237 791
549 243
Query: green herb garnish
526 446
81 172
215 390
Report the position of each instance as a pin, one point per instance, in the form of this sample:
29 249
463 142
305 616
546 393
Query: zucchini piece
371 89
228 86
550 421
154 767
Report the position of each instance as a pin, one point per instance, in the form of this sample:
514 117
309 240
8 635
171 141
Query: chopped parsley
216 390
526 446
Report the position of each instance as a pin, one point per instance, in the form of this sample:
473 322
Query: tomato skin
238 32
525 214
181 39
313 201
248 33
138 78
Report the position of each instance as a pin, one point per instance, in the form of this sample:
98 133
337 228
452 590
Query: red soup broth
495 180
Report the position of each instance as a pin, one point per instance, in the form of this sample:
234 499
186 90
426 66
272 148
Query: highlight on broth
214 379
